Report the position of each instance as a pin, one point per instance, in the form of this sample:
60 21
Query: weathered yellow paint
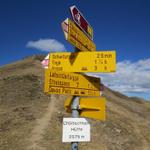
99 61
90 107
77 37
71 84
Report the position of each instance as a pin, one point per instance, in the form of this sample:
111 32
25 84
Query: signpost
81 21
71 84
91 107
76 130
99 61
59 78
76 37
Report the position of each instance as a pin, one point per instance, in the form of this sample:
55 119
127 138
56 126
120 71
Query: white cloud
129 77
48 45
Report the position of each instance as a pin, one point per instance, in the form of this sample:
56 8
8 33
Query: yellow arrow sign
91 107
101 61
76 37
71 84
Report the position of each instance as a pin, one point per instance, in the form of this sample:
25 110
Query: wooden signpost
60 78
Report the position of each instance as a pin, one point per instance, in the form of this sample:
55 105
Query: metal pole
75 114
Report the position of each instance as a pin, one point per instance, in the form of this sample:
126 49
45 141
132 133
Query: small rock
118 130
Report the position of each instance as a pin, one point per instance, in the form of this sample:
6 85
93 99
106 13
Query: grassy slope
22 102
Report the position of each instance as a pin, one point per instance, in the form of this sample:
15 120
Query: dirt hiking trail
41 125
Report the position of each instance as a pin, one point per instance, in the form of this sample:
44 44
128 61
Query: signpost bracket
74 146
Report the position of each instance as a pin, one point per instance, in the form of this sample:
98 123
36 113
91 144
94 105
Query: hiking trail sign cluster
64 74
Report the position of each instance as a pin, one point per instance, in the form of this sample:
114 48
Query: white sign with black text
76 130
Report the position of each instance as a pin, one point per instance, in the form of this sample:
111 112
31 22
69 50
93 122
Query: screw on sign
77 18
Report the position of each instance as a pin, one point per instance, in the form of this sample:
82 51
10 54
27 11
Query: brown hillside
31 120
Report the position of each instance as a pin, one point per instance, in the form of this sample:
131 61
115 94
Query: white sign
76 130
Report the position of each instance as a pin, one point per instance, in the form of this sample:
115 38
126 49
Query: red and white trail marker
45 62
81 21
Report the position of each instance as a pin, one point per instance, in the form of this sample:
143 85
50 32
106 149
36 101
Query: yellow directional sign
91 107
99 61
76 37
71 84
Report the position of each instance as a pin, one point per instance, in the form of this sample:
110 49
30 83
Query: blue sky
123 25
